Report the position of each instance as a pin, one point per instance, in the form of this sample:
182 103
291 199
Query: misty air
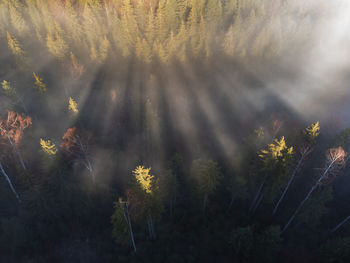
174 131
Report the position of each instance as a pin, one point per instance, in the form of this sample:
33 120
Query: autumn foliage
13 126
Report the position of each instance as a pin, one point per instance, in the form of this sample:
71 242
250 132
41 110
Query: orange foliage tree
12 129
76 143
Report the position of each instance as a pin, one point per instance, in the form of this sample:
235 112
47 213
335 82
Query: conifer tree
39 84
206 176
15 49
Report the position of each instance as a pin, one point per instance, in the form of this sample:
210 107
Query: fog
200 106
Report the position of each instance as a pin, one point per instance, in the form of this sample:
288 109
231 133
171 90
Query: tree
335 162
39 84
14 46
73 106
12 128
228 44
76 143
144 197
256 245
341 224
237 188
122 223
48 147
335 250
9 182
169 186
56 44
11 94
310 134
274 163
206 176
242 241
6 87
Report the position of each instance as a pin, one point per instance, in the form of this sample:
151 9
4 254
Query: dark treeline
145 131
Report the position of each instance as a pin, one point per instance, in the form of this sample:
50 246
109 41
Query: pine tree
39 84
206 176
15 49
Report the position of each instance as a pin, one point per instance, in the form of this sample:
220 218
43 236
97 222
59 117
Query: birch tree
2 170
77 143
335 162
310 135
122 223
274 163
346 219
12 129
144 198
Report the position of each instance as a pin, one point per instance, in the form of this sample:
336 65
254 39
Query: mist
163 84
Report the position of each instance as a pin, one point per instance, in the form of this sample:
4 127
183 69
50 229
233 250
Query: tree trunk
288 184
130 227
309 194
299 207
18 153
258 193
340 224
258 203
89 167
151 228
10 183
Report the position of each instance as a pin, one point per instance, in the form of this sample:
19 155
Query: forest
174 131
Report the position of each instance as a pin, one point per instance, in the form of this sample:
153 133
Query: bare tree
304 152
335 162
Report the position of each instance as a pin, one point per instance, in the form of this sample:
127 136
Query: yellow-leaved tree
73 105
309 136
48 147
274 163
144 178
39 84
6 87
144 198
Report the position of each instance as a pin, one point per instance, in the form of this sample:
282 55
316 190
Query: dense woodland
142 131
